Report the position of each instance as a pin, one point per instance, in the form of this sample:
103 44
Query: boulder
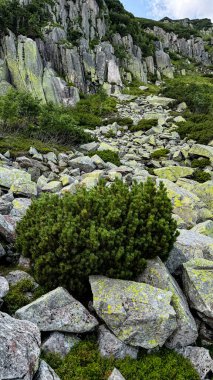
4 287
138 314
20 206
200 359
84 163
59 343
116 375
172 173
14 277
9 175
110 345
157 275
205 228
189 245
198 286
7 228
58 311
159 100
24 187
19 348
45 372
202 151
52 187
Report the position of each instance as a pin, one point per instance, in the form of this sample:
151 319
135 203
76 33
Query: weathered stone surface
159 100
205 228
45 372
202 150
83 163
110 345
200 359
58 311
24 187
173 173
7 228
116 375
4 287
198 286
157 275
60 343
189 245
138 314
20 206
19 348
16 276
52 187
9 175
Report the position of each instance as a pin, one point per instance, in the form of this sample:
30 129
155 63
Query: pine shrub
105 231
144 125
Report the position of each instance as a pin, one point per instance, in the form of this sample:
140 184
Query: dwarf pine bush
107 231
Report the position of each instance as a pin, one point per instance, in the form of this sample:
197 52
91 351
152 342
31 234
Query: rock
7 228
138 314
20 206
5 207
45 372
159 101
181 107
173 173
105 146
84 163
205 228
52 187
189 245
4 287
157 275
198 286
58 311
51 157
19 348
200 359
116 375
110 346
90 147
14 277
201 150
23 187
60 343
91 180
179 119
9 175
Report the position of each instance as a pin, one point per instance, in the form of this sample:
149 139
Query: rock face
60 343
138 314
45 372
200 359
19 348
157 275
198 286
58 311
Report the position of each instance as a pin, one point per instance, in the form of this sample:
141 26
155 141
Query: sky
176 9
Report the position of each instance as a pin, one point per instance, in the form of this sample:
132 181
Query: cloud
178 9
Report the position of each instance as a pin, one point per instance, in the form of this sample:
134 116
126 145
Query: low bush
122 121
201 176
200 163
160 153
144 125
107 156
197 127
106 231
85 362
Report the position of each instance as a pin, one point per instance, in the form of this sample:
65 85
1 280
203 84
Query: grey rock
19 348
116 375
4 287
84 163
200 359
110 345
58 311
45 372
60 343
138 314
7 228
14 277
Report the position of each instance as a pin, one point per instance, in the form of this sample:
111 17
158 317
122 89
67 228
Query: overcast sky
158 9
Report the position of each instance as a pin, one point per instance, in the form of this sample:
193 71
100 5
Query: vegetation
122 121
18 295
144 125
160 153
107 156
107 231
85 362
201 176
200 163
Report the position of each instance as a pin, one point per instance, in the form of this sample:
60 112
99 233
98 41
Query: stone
198 286
2 251
90 147
105 146
205 228
189 245
60 343
157 275
45 372
14 277
4 287
52 187
20 206
7 228
202 151
58 311
138 314
26 188
116 375
5 207
159 100
9 175
51 156
84 163
110 346
19 348
179 119
200 359
181 107
173 173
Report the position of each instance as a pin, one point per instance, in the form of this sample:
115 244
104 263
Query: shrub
122 121
107 156
160 153
144 125
201 176
200 163
197 127
106 231
18 295
85 362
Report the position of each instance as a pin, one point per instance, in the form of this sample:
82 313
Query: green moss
201 176
84 362
107 155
